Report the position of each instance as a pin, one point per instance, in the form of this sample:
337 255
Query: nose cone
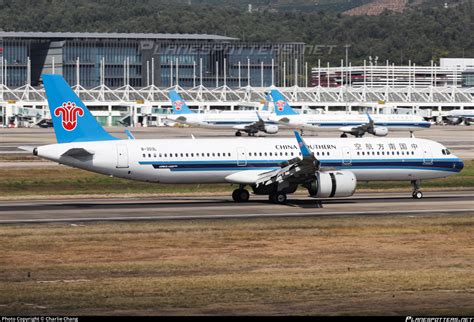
458 165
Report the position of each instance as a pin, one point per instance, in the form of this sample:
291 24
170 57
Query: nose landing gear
416 194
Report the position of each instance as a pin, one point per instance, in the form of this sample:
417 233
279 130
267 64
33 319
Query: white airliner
242 121
458 116
354 124
269 166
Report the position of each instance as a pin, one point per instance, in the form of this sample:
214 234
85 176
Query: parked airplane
275 167
458 116
356 125
242 121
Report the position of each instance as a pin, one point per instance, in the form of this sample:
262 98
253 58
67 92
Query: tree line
419 35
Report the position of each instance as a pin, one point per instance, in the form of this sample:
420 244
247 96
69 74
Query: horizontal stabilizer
77 152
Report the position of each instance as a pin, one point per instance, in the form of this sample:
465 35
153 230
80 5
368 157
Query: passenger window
358 153
208 154
363 153
327 153
265 153
317 153
286 153
149 155
144 155
192 155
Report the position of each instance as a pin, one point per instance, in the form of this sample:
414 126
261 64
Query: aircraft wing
246 127
256 126
296 170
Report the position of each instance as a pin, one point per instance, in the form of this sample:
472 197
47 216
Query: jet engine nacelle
330 184
380 131
271 129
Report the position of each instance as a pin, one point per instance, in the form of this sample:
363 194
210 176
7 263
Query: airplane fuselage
214 160
223 120
393 122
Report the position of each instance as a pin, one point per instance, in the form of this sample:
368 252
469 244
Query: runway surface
193 208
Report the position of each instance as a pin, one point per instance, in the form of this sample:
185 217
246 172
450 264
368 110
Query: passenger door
122 156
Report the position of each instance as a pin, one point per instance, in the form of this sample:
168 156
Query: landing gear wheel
238 133
240 195
417 195
278 197
343 135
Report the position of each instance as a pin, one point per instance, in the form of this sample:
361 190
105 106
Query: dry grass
341 265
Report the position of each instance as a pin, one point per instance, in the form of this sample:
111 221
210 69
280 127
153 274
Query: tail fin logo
280 104
178 105
69 113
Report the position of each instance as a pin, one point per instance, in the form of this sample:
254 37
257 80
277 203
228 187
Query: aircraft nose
458 164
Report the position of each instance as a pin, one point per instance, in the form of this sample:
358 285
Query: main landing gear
240 195
238 133
416 194
278 197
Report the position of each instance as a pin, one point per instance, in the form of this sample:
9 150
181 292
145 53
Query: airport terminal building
125 78
92 59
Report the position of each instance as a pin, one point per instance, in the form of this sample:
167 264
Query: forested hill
420 35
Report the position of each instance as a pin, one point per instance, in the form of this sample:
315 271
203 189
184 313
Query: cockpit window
446 152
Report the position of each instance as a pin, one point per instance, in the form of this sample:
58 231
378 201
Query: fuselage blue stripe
452 165
420 125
